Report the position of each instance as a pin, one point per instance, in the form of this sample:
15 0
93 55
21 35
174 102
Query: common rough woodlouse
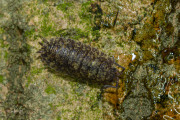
80 60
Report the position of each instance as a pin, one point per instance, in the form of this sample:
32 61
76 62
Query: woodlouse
80 60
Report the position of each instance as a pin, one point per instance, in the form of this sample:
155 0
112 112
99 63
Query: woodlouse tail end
45 41
38 57
40 51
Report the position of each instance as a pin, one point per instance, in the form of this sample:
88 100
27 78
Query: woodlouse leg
110 86
117 81
118 65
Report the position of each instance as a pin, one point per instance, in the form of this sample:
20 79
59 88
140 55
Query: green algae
1 78
85 14
147 32
73 33
64 6
36 71
50 90
47 26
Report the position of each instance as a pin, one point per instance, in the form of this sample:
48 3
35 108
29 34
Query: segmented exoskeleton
80 60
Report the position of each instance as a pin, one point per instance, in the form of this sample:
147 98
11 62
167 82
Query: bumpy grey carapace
79 60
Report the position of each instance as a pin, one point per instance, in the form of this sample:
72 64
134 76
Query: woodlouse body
80 60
